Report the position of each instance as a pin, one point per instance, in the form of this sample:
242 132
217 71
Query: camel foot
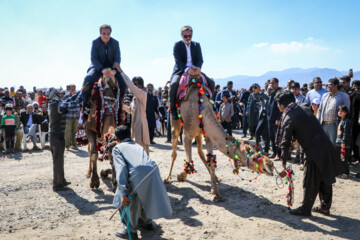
167 180
182 177
217 198
95 183
217 179
88 174
103 174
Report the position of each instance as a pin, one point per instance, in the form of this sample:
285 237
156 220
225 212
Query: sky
47 43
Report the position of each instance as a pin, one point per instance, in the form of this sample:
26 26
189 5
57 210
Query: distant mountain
298 74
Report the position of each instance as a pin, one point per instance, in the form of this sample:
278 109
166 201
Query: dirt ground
29 209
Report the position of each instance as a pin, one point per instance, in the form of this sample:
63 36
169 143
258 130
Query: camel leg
209 147
94 179
175 132
113 178
88 174
187 146
105 173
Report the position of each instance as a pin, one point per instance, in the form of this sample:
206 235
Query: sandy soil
29 209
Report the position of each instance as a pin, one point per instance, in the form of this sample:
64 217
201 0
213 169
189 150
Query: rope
127 212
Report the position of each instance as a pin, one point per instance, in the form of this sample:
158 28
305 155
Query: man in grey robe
139 186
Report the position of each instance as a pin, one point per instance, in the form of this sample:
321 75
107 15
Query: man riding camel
105 57
188 59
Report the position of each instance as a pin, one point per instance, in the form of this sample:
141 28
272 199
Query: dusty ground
29 209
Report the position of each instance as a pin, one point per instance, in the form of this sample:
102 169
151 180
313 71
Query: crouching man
139 186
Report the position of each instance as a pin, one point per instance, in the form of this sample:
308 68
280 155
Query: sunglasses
318 82
187 36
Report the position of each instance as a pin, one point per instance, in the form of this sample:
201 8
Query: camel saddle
186 81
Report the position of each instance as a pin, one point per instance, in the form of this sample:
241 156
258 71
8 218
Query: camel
214 135
94 131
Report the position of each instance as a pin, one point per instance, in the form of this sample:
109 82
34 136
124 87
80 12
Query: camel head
254 158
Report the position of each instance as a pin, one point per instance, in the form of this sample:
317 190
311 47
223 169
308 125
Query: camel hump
187 81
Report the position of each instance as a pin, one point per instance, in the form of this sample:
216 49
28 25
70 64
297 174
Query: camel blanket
184 82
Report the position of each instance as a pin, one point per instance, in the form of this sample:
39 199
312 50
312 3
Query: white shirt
189 62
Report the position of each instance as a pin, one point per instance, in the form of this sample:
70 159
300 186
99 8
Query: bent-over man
321 162
139 186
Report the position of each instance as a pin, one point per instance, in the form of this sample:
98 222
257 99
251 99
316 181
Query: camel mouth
268 168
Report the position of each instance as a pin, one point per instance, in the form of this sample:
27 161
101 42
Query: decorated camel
198 119
102 118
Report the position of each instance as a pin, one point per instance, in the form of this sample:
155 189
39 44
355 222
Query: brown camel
93 132
215 135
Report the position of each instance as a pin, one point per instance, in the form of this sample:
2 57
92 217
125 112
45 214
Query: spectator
8 126
295 89
317 92
289 84
31 98
6 98
12 92
252 111
344 139
19 102
262 127
226 112
29 119
216 91
151 108
127 115
72 117
36 107
244 100
273 117
315 106
328 106
41 97
304 91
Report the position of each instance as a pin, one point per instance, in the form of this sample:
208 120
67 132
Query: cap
316 101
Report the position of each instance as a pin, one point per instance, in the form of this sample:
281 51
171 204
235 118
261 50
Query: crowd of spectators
252 110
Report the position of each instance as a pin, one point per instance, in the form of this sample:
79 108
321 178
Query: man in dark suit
188 58
29 120
321 164
152 105
273 117
105 54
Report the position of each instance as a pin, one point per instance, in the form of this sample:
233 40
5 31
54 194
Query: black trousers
272 133
262 132
57 146
227 126
347 159
313 185
151 133
245 124
10 141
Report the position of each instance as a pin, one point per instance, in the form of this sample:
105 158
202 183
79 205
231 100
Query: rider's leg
210 82
173 91
91 77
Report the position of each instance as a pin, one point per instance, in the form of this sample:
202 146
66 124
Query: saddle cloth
184 82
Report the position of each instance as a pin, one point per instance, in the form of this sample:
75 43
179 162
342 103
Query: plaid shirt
71 109
329 112
299 99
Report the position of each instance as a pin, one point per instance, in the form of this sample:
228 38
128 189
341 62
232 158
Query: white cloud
161 61
310 38
295 47
258 45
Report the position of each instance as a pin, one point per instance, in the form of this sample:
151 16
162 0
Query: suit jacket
24 118
301 124
180 56
273 111
98 53
151 108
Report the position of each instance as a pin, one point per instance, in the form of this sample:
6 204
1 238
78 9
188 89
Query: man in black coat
152 105
244 99
321 164
188 58
273 117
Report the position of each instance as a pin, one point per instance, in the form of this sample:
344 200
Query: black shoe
168 141
66 183
318 209
174 114
357 175
152 142
125 235
35 148
147 227
60 188
300 212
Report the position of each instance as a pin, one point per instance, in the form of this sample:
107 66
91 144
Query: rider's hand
125 201
191 72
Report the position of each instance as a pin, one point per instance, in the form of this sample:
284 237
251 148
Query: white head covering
316 101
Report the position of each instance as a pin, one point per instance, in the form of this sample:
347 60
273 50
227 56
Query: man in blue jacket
105 55
188 58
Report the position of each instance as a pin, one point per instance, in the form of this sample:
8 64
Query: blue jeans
330 130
